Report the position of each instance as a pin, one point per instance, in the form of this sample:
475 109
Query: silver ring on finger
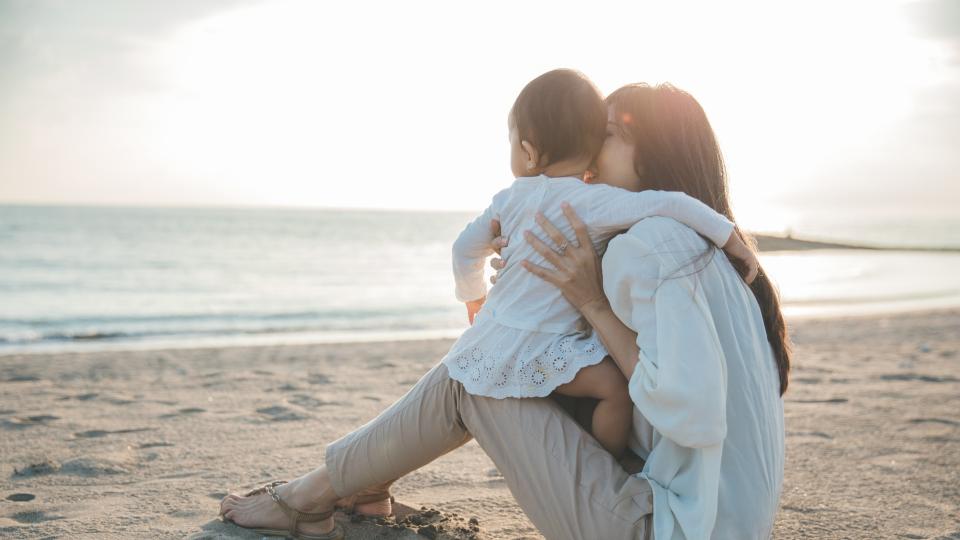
562 249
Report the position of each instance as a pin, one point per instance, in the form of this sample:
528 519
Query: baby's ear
532 154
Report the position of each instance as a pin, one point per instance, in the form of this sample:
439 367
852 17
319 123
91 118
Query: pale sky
821 105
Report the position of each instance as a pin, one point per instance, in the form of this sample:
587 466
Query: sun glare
279 94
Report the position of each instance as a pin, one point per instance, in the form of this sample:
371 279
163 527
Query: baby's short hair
563 114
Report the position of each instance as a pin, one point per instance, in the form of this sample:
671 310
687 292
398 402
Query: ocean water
91 277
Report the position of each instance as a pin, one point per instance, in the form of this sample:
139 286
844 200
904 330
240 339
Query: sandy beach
144 444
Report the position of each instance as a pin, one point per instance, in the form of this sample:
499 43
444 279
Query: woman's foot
377 501
310 493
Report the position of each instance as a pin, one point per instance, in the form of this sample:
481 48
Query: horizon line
228 206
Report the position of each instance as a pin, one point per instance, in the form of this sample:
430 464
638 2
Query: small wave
192 326
167 318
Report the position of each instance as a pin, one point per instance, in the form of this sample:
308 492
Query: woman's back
706 386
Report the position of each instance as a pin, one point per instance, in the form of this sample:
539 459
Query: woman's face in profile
616 163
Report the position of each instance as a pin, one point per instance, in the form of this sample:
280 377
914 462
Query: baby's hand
747 257
473 307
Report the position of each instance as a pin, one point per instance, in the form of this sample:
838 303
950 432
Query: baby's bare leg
614 412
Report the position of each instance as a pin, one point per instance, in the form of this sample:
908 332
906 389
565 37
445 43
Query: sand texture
144 444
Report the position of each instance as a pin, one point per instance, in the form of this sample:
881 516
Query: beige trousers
565 482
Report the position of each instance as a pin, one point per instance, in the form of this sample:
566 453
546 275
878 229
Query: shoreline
792 314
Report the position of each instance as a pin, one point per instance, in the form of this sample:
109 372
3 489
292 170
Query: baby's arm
470 251
614 209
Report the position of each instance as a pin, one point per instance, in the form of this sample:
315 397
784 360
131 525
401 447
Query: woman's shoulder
659 227
658 235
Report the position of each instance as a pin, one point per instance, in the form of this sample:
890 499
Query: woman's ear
532 155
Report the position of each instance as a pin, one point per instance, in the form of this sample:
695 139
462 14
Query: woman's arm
578 276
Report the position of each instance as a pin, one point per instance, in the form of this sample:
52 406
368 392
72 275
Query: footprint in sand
831 400
7 411
938 430
17 423
22 378
21 497
79 397
37 469
279 413
79 467
309 402
183 412
91 434
35 516
318 378
155 444
918 377
284 388
92 467
943 421
96 433
800 509
818 434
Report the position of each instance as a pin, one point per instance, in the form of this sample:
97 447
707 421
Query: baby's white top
524 341
523 300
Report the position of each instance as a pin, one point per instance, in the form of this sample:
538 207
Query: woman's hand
498 243
577 270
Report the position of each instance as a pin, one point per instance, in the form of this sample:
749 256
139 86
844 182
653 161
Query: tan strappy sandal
296 516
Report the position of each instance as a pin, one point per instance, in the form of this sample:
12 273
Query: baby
524 340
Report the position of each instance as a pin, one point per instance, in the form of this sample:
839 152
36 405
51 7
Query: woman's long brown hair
675 149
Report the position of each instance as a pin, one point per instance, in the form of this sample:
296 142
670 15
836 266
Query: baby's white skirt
494 360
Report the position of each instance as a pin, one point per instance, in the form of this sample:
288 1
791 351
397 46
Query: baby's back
520 299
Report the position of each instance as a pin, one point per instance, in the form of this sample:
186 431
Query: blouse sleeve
614 209
679 383
470 252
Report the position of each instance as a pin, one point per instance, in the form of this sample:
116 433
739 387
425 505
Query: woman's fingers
546 274
543 249
558 238
495 227
579 228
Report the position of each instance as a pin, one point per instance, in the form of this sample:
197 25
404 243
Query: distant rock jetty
787 243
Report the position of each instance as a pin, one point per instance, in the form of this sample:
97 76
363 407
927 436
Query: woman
705 355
